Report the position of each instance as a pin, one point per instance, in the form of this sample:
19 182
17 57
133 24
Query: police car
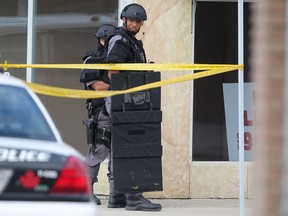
39 174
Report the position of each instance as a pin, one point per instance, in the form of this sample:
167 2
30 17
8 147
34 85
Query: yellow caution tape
212 69
72 93
130 66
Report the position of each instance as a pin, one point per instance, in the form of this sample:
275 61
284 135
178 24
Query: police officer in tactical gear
123 47
98 122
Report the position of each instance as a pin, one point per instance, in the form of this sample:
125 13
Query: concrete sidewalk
186 207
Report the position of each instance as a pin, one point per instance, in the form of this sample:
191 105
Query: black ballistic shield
136 134
145 100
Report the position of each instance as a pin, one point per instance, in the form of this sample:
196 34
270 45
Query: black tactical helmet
134 11
104 31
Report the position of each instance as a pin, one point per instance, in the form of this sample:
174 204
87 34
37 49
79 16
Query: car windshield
21 117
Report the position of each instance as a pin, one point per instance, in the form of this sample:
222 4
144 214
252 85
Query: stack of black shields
136 133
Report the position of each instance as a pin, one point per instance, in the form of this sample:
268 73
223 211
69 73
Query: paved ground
186 207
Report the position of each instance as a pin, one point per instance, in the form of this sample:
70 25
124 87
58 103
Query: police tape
84 94
128 66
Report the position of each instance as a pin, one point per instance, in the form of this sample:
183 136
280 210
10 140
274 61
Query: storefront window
64 32
216 42
13 33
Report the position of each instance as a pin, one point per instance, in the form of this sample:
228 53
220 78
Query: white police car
39 174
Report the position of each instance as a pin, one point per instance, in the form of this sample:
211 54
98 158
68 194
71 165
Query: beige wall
167 38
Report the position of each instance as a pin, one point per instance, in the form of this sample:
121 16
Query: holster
91 122
93 135
90 130
103 136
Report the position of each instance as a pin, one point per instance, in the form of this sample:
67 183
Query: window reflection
20 117
64 32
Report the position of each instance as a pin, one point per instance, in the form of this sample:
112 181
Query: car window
21 117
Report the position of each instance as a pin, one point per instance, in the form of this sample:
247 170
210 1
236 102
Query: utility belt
96 135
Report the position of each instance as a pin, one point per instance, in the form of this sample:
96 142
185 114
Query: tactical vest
132 48
92 57
87 75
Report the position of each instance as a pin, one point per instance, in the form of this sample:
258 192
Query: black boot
117 200
96 200
139 203
94 197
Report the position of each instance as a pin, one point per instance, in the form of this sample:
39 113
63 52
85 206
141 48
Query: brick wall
268 68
